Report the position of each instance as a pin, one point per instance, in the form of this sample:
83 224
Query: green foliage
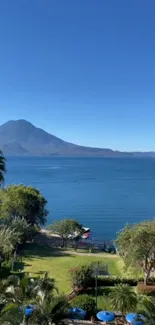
16 293
23 229
136 244
145 306
146 289
81 276
12 234
110 281
8 240
85 302
66 227
44 286
2 167
51 310
23 202
123 298
11 315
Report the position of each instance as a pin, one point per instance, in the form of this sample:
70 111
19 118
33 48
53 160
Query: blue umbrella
77 313
135 319
106 316
29 310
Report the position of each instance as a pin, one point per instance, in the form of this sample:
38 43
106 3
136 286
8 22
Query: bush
110 281
7 265
81 276
146 289
85 302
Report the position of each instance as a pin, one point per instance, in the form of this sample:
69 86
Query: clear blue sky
83 70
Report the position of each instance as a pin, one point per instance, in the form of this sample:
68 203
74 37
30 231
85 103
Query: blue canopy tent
106 316
77 313
135 319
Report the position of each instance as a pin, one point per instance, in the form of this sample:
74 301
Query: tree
2 167
66 228
123 298
136 244
23 202
18 291
51 310
25 289
16 294
20 226
44 287
9 238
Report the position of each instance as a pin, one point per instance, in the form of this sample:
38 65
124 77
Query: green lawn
56 262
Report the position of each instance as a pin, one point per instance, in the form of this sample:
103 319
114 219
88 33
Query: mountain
23 138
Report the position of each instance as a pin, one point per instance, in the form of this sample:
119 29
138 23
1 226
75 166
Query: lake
101 193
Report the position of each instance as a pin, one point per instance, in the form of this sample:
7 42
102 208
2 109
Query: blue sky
83 70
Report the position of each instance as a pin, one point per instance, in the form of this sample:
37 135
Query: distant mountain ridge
20 137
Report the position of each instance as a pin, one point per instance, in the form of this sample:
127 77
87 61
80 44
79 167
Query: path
90 254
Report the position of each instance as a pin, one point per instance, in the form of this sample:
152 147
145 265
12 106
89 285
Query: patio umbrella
135 319
106 316
77 313
29 310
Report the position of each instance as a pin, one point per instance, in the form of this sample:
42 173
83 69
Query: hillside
22 138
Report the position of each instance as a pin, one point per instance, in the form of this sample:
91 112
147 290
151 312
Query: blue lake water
102 194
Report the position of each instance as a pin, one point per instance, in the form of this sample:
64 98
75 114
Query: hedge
109 281
146 289
85 302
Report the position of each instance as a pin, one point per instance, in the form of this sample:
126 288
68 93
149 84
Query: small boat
85 234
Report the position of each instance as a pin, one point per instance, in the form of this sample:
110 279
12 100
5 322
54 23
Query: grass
39 259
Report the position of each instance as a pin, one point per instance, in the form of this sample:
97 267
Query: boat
85 234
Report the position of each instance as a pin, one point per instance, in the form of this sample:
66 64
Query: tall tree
123 298
66 228
23 202
136 244
2 167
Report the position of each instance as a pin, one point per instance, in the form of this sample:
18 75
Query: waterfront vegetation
53 279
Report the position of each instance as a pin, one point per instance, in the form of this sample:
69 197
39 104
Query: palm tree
51 310
45 286
16 293
11 315
123 298
2 167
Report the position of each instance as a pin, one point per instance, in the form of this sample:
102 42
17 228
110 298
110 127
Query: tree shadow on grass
33 250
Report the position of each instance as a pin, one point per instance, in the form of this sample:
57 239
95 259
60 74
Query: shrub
81 276
110 281
7 265
85 302
146 289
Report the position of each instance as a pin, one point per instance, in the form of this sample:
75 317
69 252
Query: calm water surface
102 194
